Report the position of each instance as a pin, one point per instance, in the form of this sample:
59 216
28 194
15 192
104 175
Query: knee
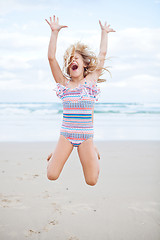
52 176
92 181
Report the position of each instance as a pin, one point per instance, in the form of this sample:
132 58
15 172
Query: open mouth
74 67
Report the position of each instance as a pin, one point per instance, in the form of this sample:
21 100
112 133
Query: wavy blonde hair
89 58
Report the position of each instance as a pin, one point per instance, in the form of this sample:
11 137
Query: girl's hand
106 28
55 26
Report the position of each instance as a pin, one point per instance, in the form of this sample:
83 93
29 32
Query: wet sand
125 203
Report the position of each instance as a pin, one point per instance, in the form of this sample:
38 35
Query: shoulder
64 81
92 77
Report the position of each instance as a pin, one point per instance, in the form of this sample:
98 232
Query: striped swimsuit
78 104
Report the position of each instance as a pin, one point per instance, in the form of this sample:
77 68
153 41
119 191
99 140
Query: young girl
78 90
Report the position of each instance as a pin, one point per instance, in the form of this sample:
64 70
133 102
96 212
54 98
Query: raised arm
102 51
104 43
55 68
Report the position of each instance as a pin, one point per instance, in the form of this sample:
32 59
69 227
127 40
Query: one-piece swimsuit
78 104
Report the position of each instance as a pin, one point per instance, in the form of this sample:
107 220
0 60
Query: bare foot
49 156
97 152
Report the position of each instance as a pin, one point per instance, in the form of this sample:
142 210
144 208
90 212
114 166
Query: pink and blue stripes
78 106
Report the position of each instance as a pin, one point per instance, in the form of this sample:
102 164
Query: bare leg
58 158
89 161
50 155
96 149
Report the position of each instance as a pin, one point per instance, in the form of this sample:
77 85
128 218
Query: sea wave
54 108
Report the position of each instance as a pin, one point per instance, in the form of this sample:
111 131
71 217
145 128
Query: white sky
134 48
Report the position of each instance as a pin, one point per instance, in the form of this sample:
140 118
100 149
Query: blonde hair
89 58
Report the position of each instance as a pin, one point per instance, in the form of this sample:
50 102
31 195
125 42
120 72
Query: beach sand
124 205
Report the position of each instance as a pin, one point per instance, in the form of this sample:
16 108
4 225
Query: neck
77 79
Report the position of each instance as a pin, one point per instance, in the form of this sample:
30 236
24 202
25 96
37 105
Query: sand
125 203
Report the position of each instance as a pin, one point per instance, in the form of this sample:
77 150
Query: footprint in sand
54 222
57 208
11 202
30 176
35 175
73 238
31 232
46 228
46 195
50 225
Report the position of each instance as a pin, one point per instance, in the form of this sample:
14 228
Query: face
76 69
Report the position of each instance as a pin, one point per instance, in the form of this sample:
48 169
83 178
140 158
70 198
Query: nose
73 59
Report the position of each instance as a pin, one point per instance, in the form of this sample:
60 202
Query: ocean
41 121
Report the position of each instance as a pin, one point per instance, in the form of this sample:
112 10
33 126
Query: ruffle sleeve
93 90
59 89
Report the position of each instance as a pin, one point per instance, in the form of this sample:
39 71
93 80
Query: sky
133 50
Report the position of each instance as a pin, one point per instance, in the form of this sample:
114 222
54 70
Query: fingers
111 30
54 24
105 27
63 26
100 23
54 19
47 21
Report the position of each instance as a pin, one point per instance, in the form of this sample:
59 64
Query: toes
49 156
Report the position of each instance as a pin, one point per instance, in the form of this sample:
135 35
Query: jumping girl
77 87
